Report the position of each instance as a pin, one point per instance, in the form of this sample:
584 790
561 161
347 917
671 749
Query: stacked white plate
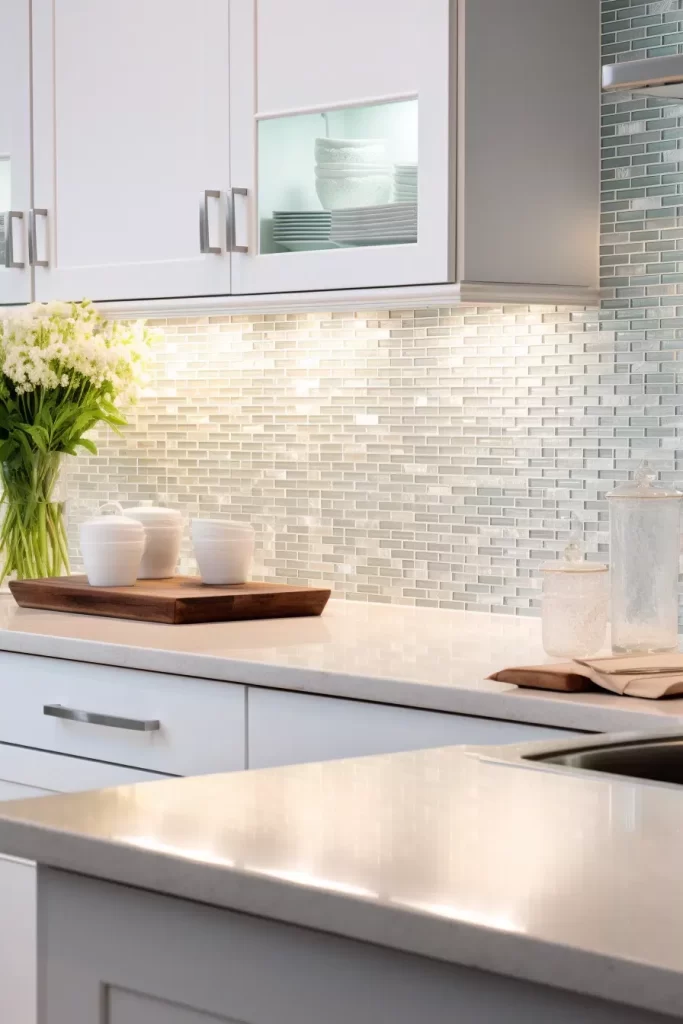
405 183
391 223
302 229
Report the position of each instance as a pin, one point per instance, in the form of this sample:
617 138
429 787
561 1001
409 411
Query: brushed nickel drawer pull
232 226
204 229
95 718
10 262
33 237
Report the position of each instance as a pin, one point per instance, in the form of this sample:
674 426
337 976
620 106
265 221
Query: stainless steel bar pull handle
204 234
33 237
232 230
10 262
95 718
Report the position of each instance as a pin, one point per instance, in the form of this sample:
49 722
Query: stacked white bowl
352 172
224 550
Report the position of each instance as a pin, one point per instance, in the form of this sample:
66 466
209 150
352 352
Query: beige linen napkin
641 675
637 675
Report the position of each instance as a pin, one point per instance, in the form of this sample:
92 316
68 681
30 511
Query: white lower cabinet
291 728
69 726
169 961
27 773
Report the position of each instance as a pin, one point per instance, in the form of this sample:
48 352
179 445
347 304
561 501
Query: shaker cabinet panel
291 728
131 126
341 122
15 150
339 53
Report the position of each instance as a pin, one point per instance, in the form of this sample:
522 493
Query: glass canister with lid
644 562
575 602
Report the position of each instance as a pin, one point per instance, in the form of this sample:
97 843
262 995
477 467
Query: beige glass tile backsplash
423 457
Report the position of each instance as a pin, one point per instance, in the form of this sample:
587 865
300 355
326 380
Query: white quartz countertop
416 657
510 867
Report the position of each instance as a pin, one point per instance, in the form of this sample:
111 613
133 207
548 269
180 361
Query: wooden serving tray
182 599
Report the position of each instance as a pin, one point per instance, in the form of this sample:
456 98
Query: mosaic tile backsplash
433 457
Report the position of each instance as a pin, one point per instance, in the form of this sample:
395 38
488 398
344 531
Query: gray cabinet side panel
529 141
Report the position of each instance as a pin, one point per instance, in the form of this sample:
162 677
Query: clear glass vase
33 541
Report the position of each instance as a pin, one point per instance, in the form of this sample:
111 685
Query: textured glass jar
644 560
574 612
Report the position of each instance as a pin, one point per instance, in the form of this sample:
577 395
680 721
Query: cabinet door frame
431 260
199 274
16 284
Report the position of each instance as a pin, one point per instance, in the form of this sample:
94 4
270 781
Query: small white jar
224 550
163 536
112 547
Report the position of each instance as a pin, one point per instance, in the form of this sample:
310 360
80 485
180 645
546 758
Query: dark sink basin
659 759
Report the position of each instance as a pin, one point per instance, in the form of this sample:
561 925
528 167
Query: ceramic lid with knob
155 515
110 525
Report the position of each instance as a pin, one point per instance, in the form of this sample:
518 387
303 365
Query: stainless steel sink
656 758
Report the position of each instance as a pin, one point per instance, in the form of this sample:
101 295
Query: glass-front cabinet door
15 151
340 155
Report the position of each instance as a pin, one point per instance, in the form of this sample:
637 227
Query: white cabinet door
376 74
15 150
131 126
26 773
290 728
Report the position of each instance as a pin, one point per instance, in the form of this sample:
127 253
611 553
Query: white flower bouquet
63 370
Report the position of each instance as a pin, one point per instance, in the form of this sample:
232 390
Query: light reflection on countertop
517 869
416 657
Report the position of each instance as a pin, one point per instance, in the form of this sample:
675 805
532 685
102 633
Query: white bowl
351 172
219 529
351 150
224 562
113 563
342 193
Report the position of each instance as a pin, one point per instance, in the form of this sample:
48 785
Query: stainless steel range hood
654 76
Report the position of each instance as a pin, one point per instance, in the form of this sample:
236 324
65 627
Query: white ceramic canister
112 547
163 536
224 550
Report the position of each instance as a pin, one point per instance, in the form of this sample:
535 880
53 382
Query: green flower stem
33 534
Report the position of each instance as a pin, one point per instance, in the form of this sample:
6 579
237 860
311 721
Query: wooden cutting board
182 599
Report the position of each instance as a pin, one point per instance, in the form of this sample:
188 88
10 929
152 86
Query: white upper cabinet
195 148
395 142
15 150
131 128
341 125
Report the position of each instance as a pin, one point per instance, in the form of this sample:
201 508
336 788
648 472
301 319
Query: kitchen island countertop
463 856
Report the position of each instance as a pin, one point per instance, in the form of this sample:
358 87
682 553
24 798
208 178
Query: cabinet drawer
201 723
289 728
25 773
